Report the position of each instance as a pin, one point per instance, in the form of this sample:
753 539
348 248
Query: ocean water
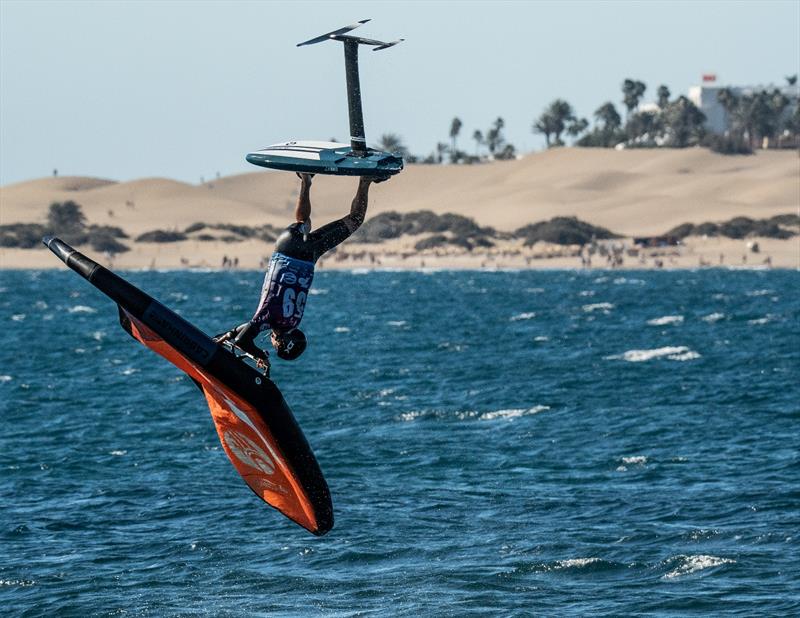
509 443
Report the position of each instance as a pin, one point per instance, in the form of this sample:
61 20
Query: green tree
663 96
455 129
441 148
683 123
391 142
791 79
643 127
577 126
608 115
632 92
494 136
478 137
66 218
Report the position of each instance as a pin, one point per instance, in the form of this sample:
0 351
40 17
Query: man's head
289 345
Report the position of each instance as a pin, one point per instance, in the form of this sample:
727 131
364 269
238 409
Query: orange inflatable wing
255 425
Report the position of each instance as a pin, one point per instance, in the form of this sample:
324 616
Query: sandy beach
632 192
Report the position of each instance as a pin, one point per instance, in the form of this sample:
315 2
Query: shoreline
696 253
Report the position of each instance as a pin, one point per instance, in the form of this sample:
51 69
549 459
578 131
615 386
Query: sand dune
633 192
630 191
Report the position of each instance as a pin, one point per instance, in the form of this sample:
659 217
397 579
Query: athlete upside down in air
289 275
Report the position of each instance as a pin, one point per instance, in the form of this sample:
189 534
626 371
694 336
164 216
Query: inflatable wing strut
255 425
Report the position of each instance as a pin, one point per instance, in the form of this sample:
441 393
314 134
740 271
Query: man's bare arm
302 213
358 209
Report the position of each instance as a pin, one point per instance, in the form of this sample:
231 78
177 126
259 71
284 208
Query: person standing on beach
290 272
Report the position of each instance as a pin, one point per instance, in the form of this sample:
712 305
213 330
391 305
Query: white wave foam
760 292
541 338
691 564
586 293
317 291
677 353
18 317
598 307
81 309
575 562
635 459
623 280
40 304
758 321
512 413
713 317
118 453
396 323
523 316
666 319
129 371
4 379
341 329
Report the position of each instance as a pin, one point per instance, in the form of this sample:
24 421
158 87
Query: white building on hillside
705 97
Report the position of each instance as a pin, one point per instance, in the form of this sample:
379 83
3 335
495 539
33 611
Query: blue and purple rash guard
290 273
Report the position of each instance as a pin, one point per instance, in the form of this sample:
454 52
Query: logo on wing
248 452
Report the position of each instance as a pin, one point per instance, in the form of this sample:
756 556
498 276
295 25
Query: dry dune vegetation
476 212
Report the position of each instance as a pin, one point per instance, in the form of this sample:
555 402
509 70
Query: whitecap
635 459
118 453
523 316
713 317
575 562
586 293
129 371
81 309
407 417
40 304
759 321
687 565
4 379
666 319
512 413
678 353
598 307
685 356
341 329
18 317
396 323
760 292
317 291
541 338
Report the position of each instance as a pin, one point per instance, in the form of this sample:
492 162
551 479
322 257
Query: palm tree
663 96
632 91
391 142
455 129
577 126
494 136
544 125
553 121
684 123
441 148
607 114
478 137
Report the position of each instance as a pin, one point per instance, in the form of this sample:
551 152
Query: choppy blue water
516 443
